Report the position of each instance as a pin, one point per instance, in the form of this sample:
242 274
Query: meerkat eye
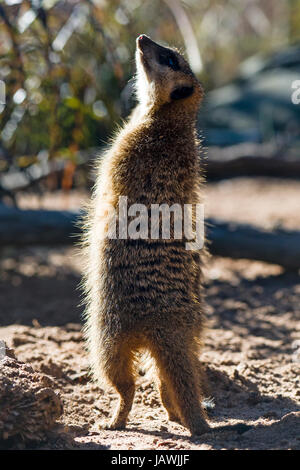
170 60
182 92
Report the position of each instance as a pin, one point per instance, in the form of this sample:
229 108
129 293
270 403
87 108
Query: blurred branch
42 15
187 34
18 180
12 35
37 6
17 64
108 44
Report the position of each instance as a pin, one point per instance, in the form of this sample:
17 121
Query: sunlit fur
146 294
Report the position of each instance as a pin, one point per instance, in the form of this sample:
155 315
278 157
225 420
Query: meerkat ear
182 92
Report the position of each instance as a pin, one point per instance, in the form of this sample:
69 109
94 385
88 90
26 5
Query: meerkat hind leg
168 403
177 368
120 373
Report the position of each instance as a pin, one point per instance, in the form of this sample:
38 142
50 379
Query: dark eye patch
182 92
169 59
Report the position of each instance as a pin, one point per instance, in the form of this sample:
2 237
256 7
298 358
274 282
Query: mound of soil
29 406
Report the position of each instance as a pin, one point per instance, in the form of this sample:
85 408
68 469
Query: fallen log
36 227
252 166
233 240
228 239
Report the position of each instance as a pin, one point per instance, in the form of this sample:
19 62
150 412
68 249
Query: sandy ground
252 344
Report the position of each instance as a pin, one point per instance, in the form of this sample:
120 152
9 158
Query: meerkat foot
200 428
113 425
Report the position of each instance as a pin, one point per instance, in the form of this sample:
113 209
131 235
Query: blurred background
67 69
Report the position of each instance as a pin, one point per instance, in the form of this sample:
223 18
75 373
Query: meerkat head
164 76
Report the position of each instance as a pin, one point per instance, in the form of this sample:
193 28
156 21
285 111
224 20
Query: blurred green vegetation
67 64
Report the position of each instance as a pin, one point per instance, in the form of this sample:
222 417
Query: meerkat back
143 277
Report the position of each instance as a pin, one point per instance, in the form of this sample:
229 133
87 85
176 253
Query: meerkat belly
148 277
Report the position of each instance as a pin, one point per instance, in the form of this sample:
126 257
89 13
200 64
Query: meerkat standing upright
146 293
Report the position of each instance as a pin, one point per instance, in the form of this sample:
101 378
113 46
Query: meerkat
146 294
